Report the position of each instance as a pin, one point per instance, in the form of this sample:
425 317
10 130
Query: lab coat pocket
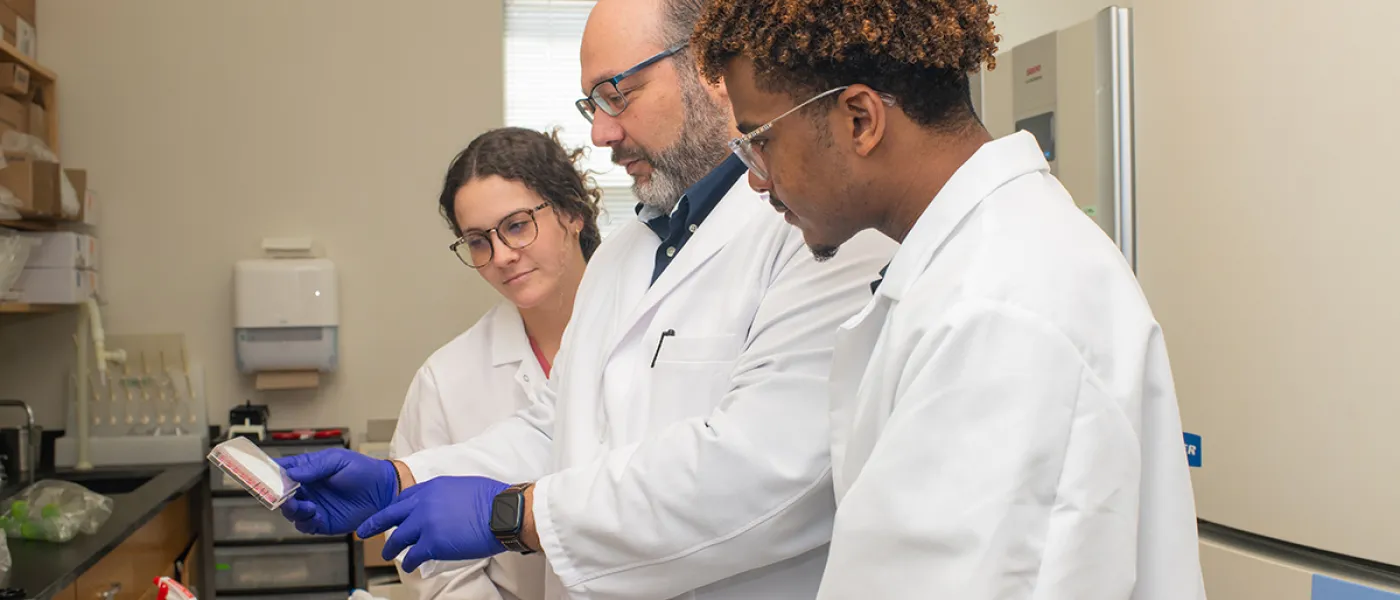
691 376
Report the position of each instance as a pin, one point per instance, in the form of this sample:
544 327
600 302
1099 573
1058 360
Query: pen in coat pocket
658 346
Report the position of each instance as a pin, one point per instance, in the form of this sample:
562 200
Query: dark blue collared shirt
875 285
698 201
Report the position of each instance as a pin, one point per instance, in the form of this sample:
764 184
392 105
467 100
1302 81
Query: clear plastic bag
14 252
4 562
54 511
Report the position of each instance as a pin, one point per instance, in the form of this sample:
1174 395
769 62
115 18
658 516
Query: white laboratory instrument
1073 89
286 314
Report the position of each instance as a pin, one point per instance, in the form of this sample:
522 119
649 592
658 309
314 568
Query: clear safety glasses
751 151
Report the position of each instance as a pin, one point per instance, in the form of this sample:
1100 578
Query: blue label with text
1327 588
1193 450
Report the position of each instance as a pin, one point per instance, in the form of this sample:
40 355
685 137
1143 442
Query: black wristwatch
508 518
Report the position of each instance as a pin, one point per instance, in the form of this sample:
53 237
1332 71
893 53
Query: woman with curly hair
1004 421
525 219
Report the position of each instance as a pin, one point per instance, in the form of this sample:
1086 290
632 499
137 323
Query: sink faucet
26 455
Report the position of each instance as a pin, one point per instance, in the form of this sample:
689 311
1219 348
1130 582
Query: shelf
30 225
10 53
19 308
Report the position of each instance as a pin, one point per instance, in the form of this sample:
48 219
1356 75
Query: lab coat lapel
735 209
994 165
509 343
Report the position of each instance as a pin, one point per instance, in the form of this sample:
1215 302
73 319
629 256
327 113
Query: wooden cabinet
68 593
128 571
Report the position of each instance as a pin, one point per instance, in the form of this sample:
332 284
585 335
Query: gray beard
703 145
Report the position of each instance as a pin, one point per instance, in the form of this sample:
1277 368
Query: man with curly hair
1004 421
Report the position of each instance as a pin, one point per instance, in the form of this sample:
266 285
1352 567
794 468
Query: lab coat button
526 378
671 252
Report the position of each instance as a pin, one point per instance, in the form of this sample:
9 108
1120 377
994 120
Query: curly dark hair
537 160
918 51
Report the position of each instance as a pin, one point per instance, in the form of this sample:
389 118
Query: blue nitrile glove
339 490
447 518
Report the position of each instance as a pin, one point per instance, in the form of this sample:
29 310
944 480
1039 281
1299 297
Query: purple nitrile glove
447 518
339 490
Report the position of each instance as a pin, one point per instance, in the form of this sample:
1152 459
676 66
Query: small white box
26 39
62 250
56 286
90 208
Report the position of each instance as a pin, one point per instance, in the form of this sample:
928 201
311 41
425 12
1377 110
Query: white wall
207 126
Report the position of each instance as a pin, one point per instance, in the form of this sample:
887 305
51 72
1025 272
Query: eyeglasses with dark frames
517 230
606 96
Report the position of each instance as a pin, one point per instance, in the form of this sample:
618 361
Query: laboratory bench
191 522
157 515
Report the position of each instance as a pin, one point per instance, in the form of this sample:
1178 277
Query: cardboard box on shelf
20 31
87 214
26 9
14 113
62 250
56 286
35 183
37 122
374 551
14 80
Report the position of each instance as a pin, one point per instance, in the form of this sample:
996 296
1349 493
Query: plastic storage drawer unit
285 566
302 596
243 519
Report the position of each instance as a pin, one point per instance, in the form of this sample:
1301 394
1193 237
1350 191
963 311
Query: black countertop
41 569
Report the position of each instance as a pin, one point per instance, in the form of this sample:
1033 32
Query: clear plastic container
254 470
220 481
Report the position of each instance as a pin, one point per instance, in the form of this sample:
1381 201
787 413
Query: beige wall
210 125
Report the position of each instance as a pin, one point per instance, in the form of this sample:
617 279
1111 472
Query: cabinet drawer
306 596
291 565
241 519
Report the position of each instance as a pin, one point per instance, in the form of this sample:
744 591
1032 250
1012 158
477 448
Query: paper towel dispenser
286 315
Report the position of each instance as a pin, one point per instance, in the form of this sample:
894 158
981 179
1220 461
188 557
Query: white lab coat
707 476
1004 423
482 377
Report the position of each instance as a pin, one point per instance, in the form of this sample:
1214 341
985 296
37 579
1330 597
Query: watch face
506 514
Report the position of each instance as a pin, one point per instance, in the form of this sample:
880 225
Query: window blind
542 82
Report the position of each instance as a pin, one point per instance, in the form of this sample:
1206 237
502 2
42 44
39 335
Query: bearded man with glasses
681 449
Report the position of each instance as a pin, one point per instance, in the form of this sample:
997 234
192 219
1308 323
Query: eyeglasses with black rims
610 99
517 230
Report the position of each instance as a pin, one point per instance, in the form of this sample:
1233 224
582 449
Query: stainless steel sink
108 482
